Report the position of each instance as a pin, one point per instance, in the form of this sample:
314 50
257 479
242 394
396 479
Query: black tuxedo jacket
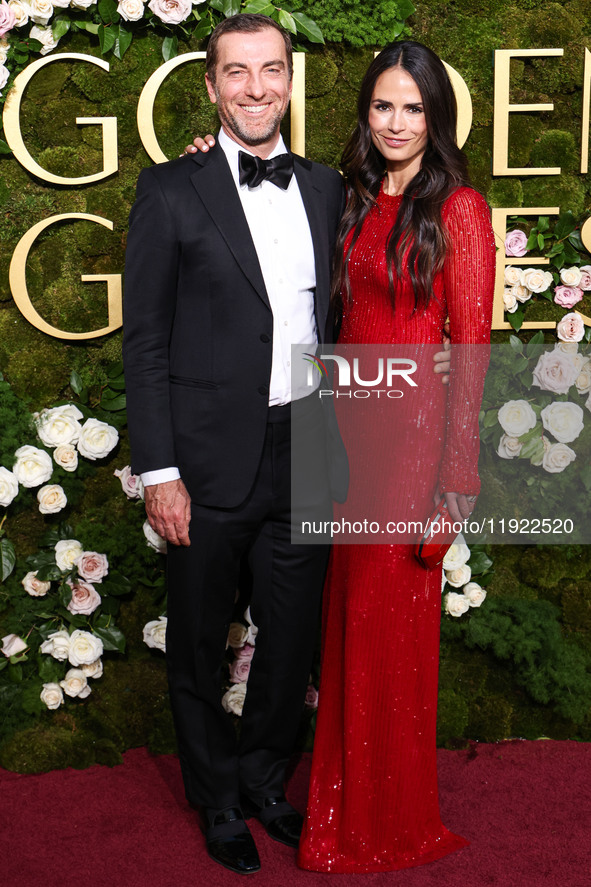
198 326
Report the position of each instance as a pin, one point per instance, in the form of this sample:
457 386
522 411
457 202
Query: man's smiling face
252 88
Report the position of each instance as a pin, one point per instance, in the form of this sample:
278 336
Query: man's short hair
249 23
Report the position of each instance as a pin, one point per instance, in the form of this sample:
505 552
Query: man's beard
239 129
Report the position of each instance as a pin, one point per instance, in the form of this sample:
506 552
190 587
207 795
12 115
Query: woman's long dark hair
419 226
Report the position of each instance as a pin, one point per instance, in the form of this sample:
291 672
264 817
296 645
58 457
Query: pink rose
173 12
245 652
571 328
7 18
92 566
567 296
239 671
585 283
515 243
311 697
131 483
85 598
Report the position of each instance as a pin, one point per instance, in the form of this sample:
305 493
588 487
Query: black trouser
285 605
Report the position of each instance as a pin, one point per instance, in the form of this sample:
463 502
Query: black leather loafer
230 842
280 820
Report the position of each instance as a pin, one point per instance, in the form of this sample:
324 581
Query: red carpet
525 807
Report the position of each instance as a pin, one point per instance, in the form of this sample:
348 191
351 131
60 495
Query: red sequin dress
373 803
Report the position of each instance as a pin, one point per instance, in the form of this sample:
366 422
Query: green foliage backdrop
487 693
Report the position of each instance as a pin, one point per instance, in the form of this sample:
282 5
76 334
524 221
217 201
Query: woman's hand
200 144
459 506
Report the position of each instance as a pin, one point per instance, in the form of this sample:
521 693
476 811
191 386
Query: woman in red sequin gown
373 803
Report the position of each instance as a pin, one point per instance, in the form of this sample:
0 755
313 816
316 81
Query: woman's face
397 120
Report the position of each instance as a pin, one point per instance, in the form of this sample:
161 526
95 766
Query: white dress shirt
281 234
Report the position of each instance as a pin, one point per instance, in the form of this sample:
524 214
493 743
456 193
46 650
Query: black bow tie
254 170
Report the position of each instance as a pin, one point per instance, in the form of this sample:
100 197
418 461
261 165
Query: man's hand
168 507
442 358
200 144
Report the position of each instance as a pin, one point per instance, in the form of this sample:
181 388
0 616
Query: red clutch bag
437 538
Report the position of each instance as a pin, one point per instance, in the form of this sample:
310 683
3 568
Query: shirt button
265 338
286 323
263 389
276 240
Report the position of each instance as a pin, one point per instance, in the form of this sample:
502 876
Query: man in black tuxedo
228 264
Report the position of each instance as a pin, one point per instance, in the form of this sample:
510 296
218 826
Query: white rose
557 457
85 598
535 280
84 648
155 634
555 372
512 275
563 420
521 293
82 4
173 12
4 46
233 700
153 539
66 456
456 604
32 467
456 556
570 328
58 426
252 628
21 11
57 645
41 11
4 75
583 380
509 300
51 499
237 635
97 439
8 486
62 4
571 276
509 447
585 283
12 645
131 484
35 587
93 669
75 684
52 695
92 566
458 577
474 593
516 417
131 10
45 37
66 552
570 348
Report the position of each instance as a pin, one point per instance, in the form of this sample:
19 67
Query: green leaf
541 241
15 673
31 700
76 382
543 223
113 404
286 21
50 670
231 7
50 573
532 240
5 147
536 339
405 8
116 384
108 11
112 637
7 559
308 27
575 240
116 584
122 43
533 449
516 319
490 418
479 563
91 27
516 344
203 29
520 364
3 663
107 37
218 4
60 26
565 225
170 47
571 254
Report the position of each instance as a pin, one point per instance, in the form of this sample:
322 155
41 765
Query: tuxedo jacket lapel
315 205
215 186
